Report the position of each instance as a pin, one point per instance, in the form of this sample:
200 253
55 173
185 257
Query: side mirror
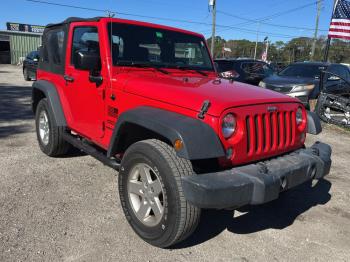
85 60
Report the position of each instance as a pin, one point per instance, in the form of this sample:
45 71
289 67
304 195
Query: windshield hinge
204 109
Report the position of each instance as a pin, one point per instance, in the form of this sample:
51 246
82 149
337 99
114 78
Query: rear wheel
49 135
151 193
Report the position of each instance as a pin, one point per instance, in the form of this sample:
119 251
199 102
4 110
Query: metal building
14 46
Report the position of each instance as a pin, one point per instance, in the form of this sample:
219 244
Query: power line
226 27
269 24
284 12
261 20
120 13
64 5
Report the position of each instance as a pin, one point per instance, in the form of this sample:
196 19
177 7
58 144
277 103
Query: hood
192 90
288 81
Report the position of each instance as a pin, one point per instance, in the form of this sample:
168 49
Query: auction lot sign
25 28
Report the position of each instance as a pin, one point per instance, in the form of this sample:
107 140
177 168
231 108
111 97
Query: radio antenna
110 15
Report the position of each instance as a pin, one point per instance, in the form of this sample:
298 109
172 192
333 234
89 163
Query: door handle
68 78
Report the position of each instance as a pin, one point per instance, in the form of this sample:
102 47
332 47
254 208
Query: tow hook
204 109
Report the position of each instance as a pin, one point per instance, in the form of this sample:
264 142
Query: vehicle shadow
277 214
6 131
15 105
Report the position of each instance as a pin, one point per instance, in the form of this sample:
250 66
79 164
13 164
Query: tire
179 218
25 74
52 144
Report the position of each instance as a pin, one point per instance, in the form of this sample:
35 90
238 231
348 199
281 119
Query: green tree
297 49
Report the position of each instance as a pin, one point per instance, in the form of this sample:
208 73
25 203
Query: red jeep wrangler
145 100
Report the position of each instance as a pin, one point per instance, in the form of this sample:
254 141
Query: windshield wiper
142 65
189 68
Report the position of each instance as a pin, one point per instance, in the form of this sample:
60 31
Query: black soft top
75 19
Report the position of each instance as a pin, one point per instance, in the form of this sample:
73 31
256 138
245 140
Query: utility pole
212 4
316 30
257 39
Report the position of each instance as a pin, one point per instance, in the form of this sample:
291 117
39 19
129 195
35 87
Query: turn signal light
178 144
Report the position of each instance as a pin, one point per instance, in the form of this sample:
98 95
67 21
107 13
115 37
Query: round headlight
300 88
299 116
228 125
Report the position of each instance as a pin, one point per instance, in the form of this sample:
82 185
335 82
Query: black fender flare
199 140
53 98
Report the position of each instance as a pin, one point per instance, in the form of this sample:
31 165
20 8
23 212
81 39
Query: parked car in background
248 71
302 80
30 65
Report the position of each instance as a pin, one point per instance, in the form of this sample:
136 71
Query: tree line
295 50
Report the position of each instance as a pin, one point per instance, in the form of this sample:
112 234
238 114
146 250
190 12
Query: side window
56 44
339 70
53 50
45 54
343 72
84 39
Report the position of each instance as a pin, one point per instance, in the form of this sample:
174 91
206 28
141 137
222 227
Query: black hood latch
204 109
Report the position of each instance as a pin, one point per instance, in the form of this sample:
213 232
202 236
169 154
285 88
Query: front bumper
260 182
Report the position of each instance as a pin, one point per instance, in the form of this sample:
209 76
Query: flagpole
326 51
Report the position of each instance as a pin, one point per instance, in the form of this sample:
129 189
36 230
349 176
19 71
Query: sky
236 19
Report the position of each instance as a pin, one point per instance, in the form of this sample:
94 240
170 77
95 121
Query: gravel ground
67 209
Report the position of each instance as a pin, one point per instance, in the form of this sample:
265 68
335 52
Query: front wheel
26 74
151 193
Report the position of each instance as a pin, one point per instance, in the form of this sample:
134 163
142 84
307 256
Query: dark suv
248 71
302 80
30 65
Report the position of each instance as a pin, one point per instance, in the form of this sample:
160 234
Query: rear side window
53 50
56 40
85 39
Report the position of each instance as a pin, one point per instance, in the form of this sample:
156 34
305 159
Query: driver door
85 98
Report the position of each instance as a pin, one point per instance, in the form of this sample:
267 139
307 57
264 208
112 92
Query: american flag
340 24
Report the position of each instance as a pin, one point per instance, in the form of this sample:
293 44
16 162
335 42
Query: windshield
303 70
135 45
